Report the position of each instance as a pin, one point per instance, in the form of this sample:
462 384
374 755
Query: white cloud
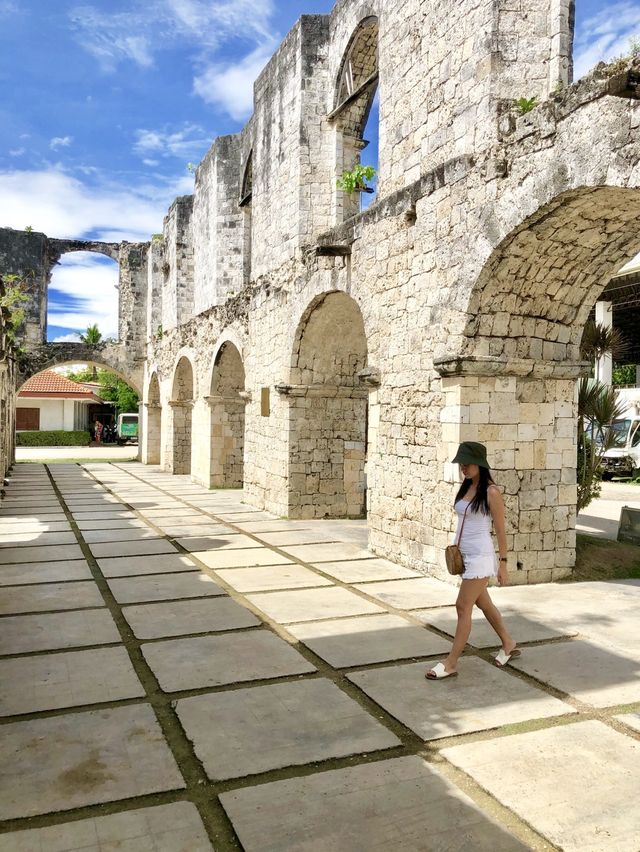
62 205
231 86
83 291
17 152
188 142
66 338
605 35
8 7
60 142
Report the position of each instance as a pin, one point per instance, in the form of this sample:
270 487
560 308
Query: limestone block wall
177 264
26 254
132 310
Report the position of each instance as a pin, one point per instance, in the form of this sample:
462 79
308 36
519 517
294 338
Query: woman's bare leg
493 616
470 591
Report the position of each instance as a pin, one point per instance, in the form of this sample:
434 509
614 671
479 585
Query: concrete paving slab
198 529
45 553
120 534
630 719
79 759
68 679
150 547
334 552
51 512
44 572
21 634
247 731
560 781
40 537
241 558
270 577
412 594
403 804
271 525
171 515
49 596
598 675
24 524
523 628
288 537
227 541
482 697
112 524
164 587
165 828
216 660
312 604
365 570
368 639
102 516
180 618
130 566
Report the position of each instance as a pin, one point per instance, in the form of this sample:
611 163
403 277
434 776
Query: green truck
127 428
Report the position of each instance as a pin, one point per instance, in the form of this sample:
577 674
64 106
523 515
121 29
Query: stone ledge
451 365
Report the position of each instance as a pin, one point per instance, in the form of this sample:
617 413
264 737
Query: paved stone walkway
180 672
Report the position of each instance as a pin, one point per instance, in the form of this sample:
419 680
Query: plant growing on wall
525 105
356 179
12 298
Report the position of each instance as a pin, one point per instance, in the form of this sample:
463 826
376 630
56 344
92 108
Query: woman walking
478 503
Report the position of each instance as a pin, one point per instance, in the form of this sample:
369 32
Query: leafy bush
525 105
55 438
356 179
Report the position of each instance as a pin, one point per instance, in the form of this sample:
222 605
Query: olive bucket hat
470 452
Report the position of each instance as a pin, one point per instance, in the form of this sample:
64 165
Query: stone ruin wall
462 330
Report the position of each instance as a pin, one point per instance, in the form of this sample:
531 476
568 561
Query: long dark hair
479 502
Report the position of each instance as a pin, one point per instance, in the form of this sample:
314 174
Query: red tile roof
53 384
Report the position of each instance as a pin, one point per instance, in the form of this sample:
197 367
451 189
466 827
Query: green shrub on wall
56 438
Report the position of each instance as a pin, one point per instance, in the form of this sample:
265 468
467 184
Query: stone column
227 439
525 413
604 365
149 441
179 456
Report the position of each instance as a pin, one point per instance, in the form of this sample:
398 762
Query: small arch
182 398
328 410
52 355
227 402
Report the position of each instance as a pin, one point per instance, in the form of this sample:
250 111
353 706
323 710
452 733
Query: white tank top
476 535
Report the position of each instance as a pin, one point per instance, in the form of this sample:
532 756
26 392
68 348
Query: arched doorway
227 404
181 403
512 383
328 411
152 434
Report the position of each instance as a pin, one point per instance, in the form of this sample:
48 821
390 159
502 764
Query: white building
49 401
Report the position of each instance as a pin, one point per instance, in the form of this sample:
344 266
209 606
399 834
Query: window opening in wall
82 293
356 114
370 152
246 194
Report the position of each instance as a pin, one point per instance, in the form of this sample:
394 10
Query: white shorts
479 565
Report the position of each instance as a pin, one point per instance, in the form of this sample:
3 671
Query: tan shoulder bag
453 554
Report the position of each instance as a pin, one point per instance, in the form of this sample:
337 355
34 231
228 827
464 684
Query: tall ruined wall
26 254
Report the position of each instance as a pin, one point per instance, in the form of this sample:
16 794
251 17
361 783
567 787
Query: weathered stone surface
44 572
74 760
164 587
584 756
176 827
389 804
49 596
179 618
214 660
457 705
20 634
312 604
130 566
249 731
271 577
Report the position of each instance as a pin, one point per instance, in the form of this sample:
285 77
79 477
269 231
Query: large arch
512 381
152 433
181 404
227 402
328 411
108 356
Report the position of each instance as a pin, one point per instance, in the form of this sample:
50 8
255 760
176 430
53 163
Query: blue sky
105 102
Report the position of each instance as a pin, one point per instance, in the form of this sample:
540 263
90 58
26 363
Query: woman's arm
496 506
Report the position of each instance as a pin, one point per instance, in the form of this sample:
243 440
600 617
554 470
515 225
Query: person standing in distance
478 503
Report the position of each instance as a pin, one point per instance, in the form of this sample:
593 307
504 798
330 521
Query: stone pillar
604 365
638 375
528 423
227 418
179 456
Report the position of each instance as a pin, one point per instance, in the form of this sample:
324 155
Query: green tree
598 407
117 391
92 336
624 374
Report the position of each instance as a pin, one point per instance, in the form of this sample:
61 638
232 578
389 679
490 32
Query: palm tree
92 337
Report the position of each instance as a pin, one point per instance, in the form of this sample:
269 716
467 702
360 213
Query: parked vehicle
624 458
127 428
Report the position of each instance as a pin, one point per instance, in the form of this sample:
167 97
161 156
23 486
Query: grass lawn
601 559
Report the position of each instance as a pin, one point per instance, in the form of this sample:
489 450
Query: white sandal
502 658
438 672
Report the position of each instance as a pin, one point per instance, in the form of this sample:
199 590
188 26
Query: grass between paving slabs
601 559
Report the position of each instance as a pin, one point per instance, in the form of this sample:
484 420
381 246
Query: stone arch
227 401
181 404
328 410
153 424
52 355
512 382
355 92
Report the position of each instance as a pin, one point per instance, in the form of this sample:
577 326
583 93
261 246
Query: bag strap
463 520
